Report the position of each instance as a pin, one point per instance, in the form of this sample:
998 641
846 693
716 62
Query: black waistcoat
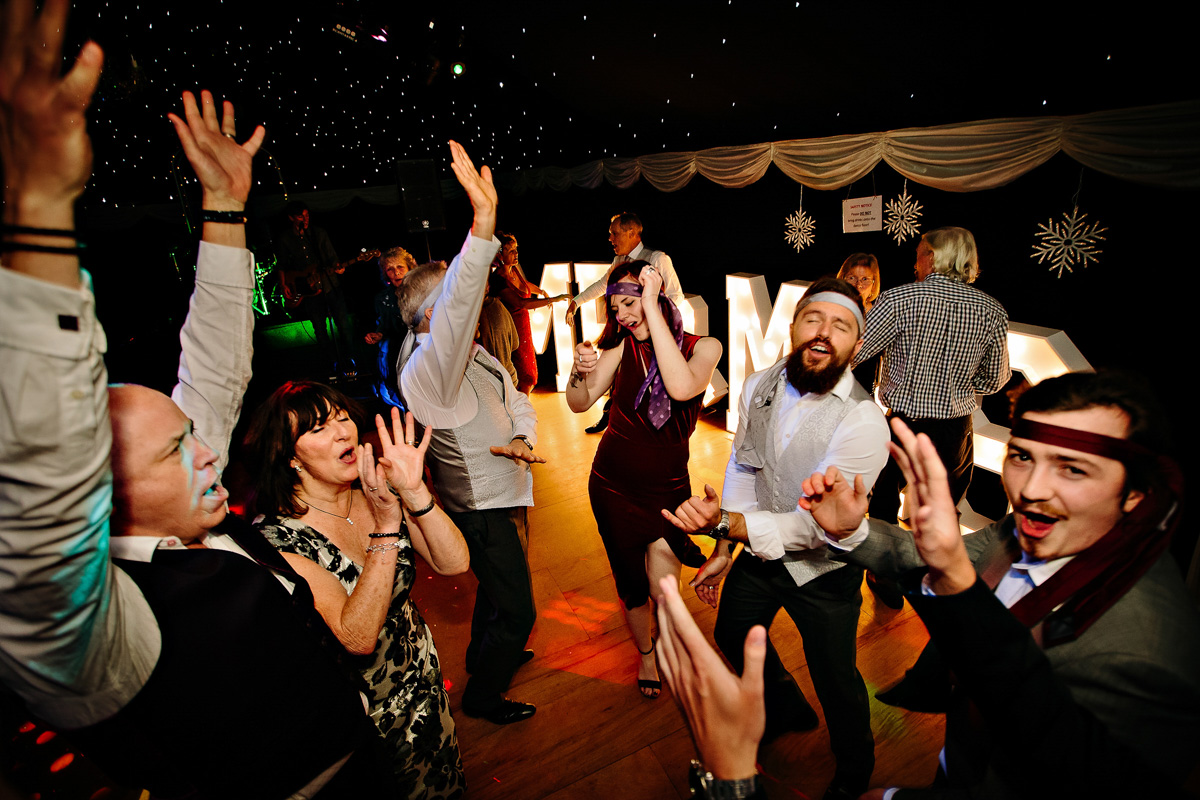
245 700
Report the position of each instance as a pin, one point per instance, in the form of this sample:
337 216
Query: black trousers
955 444
504 610
825 611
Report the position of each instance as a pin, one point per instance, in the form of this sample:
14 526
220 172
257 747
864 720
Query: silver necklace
339 516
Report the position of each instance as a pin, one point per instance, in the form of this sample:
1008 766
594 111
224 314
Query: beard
818 380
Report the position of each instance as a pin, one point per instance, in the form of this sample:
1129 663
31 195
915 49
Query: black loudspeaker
421 195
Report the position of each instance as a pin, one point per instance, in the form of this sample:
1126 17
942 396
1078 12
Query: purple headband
660 401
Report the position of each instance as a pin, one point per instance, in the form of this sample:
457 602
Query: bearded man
806 409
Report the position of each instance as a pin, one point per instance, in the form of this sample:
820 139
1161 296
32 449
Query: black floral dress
402 679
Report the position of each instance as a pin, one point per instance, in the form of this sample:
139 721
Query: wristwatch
703 784
524 439
722 530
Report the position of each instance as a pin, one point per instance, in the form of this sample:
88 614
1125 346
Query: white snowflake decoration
903 216
1068 242
799 231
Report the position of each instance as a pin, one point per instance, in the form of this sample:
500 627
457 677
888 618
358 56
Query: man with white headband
805 410
482 446
1080 571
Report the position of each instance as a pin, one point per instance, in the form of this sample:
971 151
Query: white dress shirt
858 447
657 258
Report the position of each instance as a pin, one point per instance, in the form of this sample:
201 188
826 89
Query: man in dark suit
1082 562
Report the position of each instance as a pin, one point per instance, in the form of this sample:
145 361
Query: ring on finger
372 488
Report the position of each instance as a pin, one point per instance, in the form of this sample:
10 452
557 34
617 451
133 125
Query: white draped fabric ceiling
1155 145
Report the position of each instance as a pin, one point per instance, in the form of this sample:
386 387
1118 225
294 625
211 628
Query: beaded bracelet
382 535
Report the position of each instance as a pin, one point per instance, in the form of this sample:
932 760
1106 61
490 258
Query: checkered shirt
942 341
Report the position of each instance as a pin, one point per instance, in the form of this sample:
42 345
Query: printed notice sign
862 214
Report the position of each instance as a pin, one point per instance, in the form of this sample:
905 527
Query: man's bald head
165 481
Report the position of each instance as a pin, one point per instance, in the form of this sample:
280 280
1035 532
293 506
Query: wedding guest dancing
360 565
658 374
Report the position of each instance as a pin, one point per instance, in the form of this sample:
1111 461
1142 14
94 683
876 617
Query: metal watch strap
703 784
721 531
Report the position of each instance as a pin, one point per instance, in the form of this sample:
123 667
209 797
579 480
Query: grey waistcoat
468 477
777 481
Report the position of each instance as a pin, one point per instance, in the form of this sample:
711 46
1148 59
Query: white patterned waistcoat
778 477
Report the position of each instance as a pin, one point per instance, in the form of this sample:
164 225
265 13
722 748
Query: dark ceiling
564 83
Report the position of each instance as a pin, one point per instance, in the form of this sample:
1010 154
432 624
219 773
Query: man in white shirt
806 409
482 446
625 236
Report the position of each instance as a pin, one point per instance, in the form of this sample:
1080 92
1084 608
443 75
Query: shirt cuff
853 540
224 265
890 793
762 534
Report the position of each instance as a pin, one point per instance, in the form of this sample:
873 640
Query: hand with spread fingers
726 713
835 505
373 476
44 144
222 165
403 458
44 147
935 526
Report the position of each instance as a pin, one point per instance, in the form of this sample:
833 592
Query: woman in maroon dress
658 374
508 283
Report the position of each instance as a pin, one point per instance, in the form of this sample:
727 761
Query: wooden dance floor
594 735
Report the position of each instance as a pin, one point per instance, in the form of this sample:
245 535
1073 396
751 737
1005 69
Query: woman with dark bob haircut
658 375
349 525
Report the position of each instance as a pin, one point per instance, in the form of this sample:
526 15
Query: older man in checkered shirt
943 343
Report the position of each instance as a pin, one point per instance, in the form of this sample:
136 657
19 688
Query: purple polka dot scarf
660 402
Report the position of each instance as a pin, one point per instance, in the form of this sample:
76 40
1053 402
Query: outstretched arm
77 639
216 339
431 379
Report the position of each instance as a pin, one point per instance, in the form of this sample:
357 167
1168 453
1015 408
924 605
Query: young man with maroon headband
1082 563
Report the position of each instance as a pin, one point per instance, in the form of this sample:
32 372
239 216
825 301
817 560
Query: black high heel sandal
654 686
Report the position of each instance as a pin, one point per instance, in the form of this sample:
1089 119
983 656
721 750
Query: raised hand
651 281
43 136
479 188
586 358
384 505
726 713
221 164
697 514
835 505
402 458
935 524
45 152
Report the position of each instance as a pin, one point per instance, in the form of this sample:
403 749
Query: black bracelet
423 511
383 535
8 247
231 217
62 233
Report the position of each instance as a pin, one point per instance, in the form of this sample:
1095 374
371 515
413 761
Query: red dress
640 470
525 356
